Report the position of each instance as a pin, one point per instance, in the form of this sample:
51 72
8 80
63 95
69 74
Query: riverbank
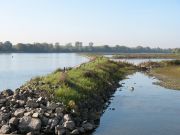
68 101
168 72
147 56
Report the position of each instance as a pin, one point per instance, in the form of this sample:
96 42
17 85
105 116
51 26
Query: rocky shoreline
38 108
26 112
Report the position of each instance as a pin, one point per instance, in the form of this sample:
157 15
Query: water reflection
148 110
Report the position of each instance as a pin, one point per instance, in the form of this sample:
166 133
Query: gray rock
3 100
28 114
69 125
47 114
75 132
21 103
81 129
7 92
44 120
32 104
59 115
28 124
4 116
52 106
54 122
3 108
13 121
30 133
59 130
67 117
88 126
39 99
35 115
19 112
5 129
59 109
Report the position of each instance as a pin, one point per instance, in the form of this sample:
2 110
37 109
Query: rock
81 129
67 117
59 130
21 103
88 126
52 106
59 114
28 124
3 108
39 99
47 114
5 129
75 132
69 125
7 92
19 112
4 116
44 120
13 121
32 104
54 122
28 114
3 100
30 133
59 110
35 115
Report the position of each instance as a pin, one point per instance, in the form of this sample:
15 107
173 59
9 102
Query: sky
154 23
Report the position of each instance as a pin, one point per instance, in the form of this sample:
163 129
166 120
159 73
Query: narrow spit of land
168 72
67 101
147 56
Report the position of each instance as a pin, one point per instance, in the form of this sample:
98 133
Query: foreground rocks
27 112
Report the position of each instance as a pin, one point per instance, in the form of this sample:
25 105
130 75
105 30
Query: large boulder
28 124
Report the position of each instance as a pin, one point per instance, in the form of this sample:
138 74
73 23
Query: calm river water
148 110
16 69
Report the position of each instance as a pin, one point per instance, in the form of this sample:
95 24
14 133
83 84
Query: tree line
77 47
176 50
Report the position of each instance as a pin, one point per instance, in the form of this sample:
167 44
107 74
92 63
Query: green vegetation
147 56
89 83
168 73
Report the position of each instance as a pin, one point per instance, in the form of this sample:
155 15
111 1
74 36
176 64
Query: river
147 110
17 68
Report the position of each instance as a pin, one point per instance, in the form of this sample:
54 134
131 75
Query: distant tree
78 46
6 46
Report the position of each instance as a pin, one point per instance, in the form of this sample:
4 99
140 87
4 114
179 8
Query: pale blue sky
125 22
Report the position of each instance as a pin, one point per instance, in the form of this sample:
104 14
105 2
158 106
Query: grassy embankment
87 86
146 56
168 73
